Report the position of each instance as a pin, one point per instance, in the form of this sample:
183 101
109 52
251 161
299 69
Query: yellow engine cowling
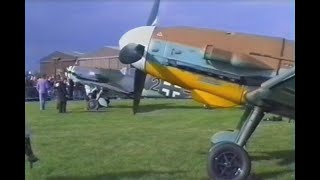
204 89
212 100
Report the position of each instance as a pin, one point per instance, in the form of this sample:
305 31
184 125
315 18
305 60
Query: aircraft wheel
93 104
228 160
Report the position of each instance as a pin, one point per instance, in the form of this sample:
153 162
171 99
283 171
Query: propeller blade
139 80
132 52
153 17
68 71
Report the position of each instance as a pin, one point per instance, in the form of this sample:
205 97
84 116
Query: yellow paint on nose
204 88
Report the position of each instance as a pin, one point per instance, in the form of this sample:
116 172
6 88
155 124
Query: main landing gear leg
229 160
231 135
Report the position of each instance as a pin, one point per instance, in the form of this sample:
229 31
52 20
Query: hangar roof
57 54
107 51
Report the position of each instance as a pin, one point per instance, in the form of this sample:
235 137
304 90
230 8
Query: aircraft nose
134 45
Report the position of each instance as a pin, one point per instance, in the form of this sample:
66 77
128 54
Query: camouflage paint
171 54
219 53
258 51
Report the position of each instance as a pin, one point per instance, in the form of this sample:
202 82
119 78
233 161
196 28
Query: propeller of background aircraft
132 53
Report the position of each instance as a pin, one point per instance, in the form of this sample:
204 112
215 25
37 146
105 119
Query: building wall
107 63
48 68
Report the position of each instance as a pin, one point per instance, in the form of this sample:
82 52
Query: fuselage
122 81
217 67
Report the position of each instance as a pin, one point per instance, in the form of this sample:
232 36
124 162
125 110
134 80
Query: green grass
170 140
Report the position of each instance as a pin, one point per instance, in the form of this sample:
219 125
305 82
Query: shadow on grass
141 109
89 111
117 175
153 107
268 175
287 156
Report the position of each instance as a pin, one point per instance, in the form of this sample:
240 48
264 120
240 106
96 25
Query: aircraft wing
276 95
113 80
108 86
114 88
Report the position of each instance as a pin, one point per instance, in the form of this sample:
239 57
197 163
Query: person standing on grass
42 88
61 88
70 89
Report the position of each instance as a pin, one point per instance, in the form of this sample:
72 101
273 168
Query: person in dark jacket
61 89
70 89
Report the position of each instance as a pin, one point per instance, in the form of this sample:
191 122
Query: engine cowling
239 60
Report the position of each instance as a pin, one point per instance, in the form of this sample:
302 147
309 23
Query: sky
88 25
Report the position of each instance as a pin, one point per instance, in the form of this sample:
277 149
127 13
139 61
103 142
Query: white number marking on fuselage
167 91
175 93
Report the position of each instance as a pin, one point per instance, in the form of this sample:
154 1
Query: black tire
237 167
92 104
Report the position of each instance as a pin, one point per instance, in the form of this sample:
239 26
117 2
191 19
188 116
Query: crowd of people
55 87
75 90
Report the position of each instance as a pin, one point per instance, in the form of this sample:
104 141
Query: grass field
169 140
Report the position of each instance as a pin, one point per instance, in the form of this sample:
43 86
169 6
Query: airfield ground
169 140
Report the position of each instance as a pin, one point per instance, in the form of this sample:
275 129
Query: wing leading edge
277 95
